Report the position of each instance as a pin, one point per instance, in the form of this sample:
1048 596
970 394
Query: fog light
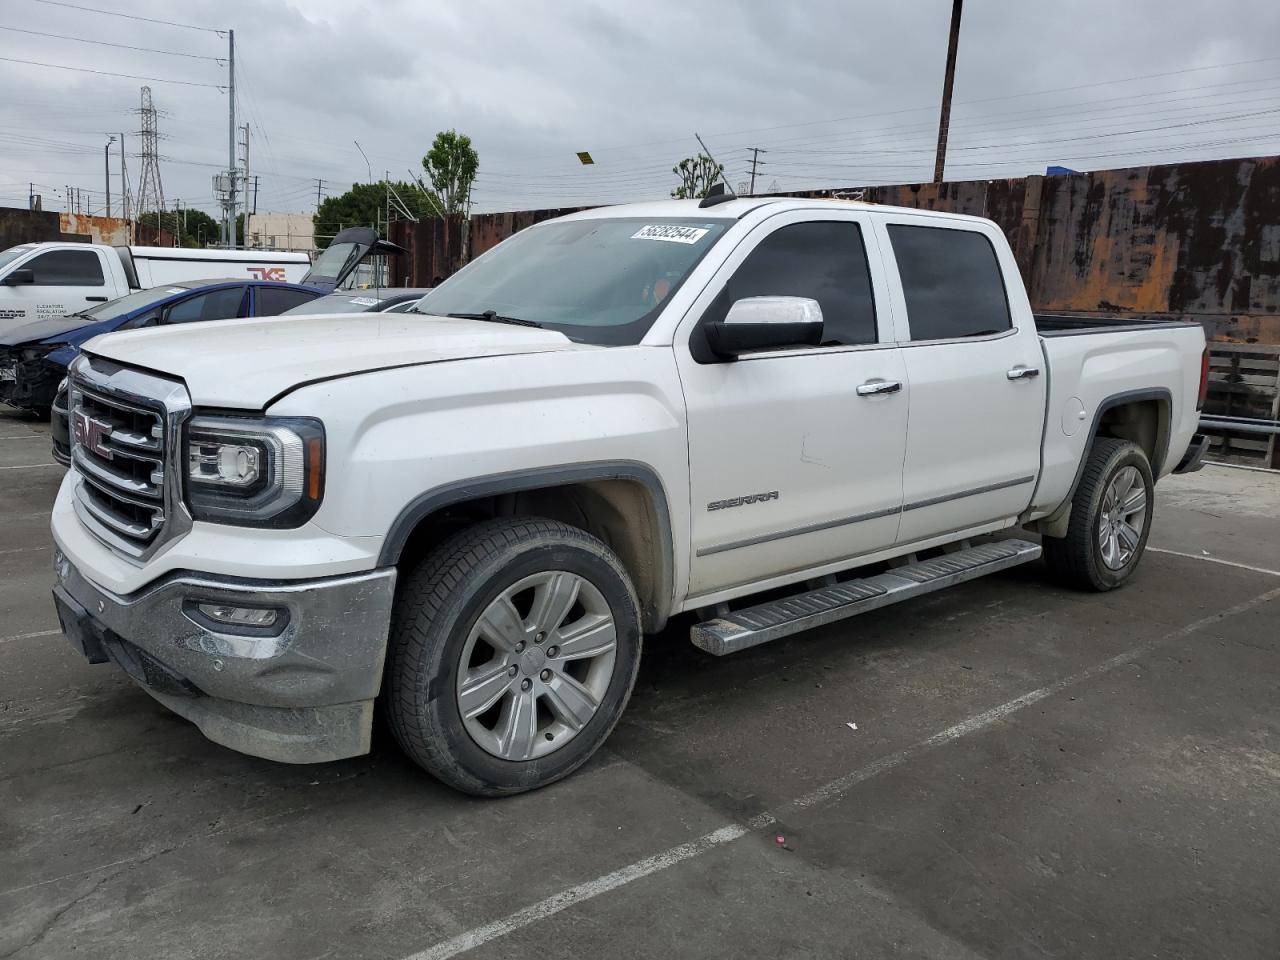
239 616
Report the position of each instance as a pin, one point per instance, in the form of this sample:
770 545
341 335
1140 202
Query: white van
41 280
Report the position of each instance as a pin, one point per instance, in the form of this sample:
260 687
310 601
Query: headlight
255 472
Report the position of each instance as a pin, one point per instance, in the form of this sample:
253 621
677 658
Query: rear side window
214 305
67 268
824 261
270 301
951 281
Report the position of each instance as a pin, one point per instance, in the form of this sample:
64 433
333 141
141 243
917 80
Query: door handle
874 388
96 299
1023 373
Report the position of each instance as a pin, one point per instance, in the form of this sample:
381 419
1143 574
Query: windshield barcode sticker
669 232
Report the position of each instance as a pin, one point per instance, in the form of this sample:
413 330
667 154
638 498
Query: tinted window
951 281
824 261
67 268
215 305
269 301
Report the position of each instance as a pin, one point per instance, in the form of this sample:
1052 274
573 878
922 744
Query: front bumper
29 384
302 695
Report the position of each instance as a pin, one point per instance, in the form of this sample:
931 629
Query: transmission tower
150 190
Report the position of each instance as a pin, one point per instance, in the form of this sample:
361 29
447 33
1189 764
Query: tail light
1204 379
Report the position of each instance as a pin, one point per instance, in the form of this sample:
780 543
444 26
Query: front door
65 281
791 466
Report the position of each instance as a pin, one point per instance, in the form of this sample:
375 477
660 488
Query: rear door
791 466
66 281
974 365
273 301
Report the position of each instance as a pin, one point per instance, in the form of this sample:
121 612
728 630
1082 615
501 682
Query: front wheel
513 650
1110 518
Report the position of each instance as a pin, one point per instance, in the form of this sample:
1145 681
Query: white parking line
1225 563
26 436
47 549
836 788
30 636
34 466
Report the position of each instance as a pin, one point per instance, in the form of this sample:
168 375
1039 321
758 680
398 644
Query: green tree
365 205
193 228
697 174
451 166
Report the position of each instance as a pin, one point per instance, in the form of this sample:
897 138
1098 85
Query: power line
129 16
119 46
107 73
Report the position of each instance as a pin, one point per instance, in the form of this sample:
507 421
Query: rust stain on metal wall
1195 240
113 230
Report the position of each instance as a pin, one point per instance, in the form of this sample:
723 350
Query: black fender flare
1160 453
517 481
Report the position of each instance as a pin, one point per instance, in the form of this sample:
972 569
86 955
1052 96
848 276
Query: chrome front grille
125 426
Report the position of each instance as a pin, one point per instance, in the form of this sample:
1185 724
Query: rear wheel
1110 518
512 654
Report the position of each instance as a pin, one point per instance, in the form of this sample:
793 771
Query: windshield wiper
495 317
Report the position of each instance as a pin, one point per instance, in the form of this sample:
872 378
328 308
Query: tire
1084 558
552 710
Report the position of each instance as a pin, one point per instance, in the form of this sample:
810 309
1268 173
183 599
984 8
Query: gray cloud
531 83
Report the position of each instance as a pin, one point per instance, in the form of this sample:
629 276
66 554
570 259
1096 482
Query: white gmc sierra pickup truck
474 513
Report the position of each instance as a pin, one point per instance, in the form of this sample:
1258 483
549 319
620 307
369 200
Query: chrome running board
781 618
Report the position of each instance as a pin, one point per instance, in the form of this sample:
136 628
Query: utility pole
319 187
124 182
106 167
245 180
755 162
944 121
231 140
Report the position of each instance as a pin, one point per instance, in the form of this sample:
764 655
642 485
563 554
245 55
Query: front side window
821 260
951 281
214 305
67 268
599 281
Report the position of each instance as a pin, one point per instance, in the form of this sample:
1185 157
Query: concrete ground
1007 769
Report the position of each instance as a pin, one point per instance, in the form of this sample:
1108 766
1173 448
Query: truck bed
1069 325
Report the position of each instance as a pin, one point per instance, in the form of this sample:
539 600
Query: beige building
280 231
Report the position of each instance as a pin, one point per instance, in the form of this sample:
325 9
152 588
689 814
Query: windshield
13 253
336 259
130 303
596 281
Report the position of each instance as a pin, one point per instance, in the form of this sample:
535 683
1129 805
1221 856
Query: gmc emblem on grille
91 433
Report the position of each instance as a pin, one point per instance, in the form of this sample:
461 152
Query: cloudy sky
837 93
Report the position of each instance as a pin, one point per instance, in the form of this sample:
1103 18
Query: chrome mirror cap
775 310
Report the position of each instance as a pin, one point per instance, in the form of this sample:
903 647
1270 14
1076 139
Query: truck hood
246 364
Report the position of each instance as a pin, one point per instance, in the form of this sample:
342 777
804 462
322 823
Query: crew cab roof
739 207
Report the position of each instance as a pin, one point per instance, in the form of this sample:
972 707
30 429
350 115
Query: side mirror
20 276
766 323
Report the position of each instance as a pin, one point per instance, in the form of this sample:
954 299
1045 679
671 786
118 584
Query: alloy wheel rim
536 665
1122 518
